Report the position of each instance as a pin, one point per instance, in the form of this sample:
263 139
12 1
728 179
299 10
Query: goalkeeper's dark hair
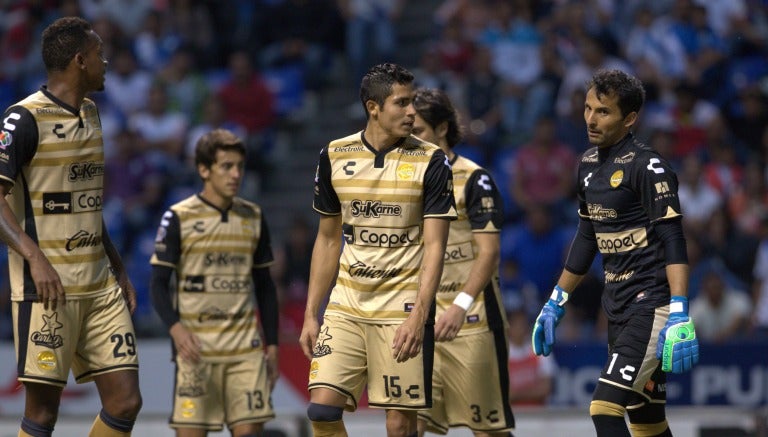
434 106
62 40
378 81
627 88
217 139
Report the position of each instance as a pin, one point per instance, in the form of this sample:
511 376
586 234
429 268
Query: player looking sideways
629 211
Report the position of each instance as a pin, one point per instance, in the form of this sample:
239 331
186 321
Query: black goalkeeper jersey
625 190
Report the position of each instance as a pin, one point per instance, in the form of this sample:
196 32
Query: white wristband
464 300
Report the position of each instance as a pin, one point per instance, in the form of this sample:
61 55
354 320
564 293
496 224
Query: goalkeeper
630 212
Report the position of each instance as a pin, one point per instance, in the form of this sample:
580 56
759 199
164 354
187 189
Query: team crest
405 171
46 360
616 178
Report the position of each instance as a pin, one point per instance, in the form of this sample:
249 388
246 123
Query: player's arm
324 267
20 137
486 216
266 299
129 292
439 208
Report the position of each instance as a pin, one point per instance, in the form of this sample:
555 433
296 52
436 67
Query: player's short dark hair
626 87
434 106
62 40
217 139
378 81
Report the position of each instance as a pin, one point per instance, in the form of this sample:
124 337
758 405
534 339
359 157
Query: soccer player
389 196
218 246
470 382
629 211
72 299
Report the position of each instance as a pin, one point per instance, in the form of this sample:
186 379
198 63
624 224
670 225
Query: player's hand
273 366
50 290
678 346
187 344
408 339
543 337
308 337
449 323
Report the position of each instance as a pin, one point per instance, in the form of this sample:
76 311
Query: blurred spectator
697 198
126 85
301 32
246 98
543 170
654 49
723 171
571 128
759 318
592 57
538 246
737 250
531 377
482 102
454 49
748 118
430 73
705 49
722 310
186 87
160 130
214 117
133 185
291 273
194 27
127 14
472 16
690 115
515 47
371 34
748 202
156 42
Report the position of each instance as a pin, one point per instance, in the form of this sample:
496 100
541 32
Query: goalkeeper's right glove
543 336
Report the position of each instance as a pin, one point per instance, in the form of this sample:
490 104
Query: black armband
266 297
583 249
671 233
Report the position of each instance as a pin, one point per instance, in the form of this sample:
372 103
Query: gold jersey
479 208
53 155
214 252
383 198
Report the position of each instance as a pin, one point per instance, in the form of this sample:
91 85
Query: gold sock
101 429
329 429
24 434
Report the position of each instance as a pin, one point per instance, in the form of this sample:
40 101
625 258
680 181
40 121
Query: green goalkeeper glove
678 347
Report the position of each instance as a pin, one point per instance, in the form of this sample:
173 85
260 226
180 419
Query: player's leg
107 354
191 432
44 347
648 419
628 374
337 375
41 409
120 401
401 423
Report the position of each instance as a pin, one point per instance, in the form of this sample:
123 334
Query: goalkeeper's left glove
678 347
543 336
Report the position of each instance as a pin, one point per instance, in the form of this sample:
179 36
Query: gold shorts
90 336
470 385
208 395
349 355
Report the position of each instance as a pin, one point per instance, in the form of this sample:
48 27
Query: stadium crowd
516 70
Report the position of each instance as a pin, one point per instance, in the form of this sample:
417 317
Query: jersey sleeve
484 204
657 187
263 256
326 201
167 241
18 142
438 188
